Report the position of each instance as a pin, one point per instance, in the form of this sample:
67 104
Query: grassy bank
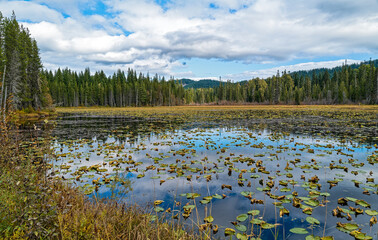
34 206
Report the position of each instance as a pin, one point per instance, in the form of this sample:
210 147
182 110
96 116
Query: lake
248 178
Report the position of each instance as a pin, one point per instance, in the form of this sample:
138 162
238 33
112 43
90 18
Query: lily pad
285 190
229 232
351 199
217 196
158 202
312 203
267 225
299 230
242 217
245 193
256 221
371 212
241 236
192 195
362 203
189 207
325 194
209 219
254 212
312 237
312 220
241 227
159 209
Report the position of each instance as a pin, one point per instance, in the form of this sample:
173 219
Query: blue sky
234 39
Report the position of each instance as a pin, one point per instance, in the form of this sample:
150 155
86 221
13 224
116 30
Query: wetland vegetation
245 172
256 172
34 205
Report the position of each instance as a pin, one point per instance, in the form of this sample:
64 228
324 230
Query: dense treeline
345 85
20 67
69 88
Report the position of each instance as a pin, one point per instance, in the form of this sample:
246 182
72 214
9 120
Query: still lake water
140 162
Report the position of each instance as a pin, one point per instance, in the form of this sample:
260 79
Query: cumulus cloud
30 11
152 37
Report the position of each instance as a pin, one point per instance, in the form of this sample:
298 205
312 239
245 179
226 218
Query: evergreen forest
342 85
22 81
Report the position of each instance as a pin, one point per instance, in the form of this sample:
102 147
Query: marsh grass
34 205
352 121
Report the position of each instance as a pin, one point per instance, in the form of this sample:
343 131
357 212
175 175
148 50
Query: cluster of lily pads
285 184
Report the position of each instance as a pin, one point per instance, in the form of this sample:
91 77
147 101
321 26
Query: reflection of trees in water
122 129
132 130
121 186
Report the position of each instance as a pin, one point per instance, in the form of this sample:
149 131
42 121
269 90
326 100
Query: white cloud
30 11
249 31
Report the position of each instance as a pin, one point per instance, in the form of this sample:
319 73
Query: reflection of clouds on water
223 148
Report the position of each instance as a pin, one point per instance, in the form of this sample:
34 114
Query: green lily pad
89 190
361 236
245 193
299 230
312 237
241 236
254 212
325 194
371 212
209 219
192 195
241 227
362 203
312 220
217 196
285 189
349 226
229 232
256 221
312 203
242 217
351 199
159 209
189 207
255 176
267 225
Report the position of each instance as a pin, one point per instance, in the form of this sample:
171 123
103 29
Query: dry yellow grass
217 108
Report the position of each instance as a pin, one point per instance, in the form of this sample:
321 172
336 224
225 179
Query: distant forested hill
203 83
